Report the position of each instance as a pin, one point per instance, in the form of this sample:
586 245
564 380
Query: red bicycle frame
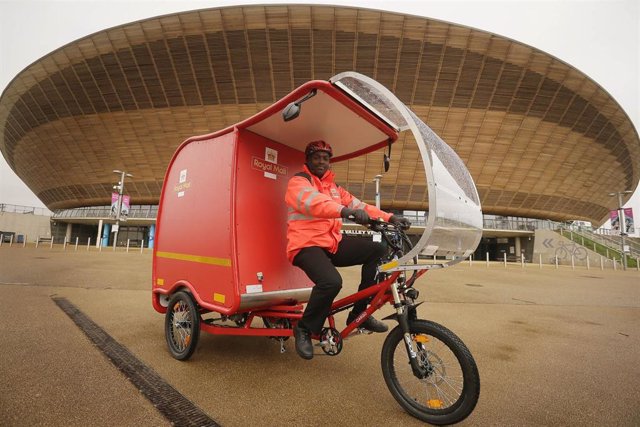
381 293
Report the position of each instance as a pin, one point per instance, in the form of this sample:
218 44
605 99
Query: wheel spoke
439 386
182 325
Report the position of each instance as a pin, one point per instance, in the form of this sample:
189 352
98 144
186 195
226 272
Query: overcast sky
601 38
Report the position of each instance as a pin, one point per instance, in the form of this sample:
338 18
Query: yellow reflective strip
160 282
301 194
224 262
218 297
299 217
389 265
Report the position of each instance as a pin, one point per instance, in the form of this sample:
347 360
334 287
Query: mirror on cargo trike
292 110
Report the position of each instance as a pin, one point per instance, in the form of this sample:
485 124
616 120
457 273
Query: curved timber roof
540 138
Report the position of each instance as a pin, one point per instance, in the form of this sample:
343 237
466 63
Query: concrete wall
29 225
550 244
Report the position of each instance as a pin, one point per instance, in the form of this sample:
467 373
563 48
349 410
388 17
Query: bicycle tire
562 253
182 325
450 348
580 253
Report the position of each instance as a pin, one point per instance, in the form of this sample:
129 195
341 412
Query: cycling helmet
319 145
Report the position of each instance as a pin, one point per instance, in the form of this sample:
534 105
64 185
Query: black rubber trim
179 410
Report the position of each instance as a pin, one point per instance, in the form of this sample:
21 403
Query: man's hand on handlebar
359 216
400 222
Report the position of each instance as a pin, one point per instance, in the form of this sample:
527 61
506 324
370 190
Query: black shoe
371 324
303 342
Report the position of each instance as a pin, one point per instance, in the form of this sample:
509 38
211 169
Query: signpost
121 204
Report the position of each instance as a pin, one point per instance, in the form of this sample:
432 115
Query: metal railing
27 210
135 212
512 223
493 222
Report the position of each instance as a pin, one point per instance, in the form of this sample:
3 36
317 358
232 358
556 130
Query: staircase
607 246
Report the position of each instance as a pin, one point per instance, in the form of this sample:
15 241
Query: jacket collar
327 177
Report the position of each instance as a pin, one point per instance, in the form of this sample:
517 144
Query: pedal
282 347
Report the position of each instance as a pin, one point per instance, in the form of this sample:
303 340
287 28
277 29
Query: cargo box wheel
182 325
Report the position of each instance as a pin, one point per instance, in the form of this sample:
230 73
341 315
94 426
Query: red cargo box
221 227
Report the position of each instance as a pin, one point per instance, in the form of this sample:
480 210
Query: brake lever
376 224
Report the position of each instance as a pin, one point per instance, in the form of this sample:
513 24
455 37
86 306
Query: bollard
88 243
37 242
11 240
615 267
51 245
556 262
470 259
434 258
76 249
573 265
141 246
540 260
505 260
64 244
128 245
24 242
588 263
487 259
601 263
1 239
522 260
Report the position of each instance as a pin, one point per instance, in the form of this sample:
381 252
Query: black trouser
320 265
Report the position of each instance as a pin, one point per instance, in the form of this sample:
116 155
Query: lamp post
377 181
120 188
623 225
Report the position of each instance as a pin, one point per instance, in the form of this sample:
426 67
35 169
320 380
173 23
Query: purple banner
125 206
114 204
628 220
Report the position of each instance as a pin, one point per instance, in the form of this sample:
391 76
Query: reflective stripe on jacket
314 212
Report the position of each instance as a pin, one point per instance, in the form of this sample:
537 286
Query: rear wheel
182 325
450 389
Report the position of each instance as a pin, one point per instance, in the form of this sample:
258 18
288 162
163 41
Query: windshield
454 223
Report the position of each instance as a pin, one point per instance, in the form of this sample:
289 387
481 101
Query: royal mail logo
266 166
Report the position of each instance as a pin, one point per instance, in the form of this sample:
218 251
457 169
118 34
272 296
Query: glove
400 222
357 215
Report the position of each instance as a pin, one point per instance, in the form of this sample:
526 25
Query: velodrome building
540 138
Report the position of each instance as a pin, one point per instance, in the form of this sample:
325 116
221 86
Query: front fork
403 314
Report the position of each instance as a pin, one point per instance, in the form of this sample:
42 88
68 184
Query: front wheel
450 389
182 325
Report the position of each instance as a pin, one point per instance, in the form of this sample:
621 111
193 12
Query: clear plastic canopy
454 223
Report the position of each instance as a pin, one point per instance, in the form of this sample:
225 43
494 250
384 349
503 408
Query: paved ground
554 347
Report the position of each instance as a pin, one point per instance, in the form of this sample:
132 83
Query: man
316 208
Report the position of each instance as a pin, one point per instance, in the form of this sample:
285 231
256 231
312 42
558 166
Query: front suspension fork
403 312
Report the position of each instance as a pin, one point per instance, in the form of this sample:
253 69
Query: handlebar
375 223
379 223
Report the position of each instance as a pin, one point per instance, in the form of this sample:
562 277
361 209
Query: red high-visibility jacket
314 212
